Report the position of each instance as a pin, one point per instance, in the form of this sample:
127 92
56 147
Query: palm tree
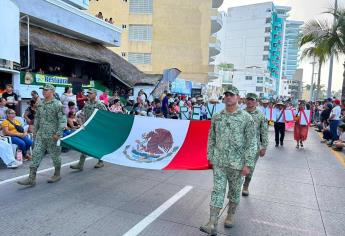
328 36
315 52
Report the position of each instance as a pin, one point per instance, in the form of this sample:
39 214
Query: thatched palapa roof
58 44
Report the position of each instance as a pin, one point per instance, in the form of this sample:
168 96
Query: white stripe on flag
142 125
138 228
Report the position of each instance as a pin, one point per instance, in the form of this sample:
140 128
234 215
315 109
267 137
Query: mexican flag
143 142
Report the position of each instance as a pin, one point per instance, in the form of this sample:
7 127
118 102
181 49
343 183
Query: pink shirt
116 109
104 98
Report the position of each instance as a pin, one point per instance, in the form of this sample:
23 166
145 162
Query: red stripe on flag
193 153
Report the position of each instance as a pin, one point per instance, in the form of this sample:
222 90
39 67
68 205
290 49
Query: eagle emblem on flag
153 146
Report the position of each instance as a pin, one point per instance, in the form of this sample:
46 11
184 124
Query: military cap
231 89
265 101
252 96
48 87
92 90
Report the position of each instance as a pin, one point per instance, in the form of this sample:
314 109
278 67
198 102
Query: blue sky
303 10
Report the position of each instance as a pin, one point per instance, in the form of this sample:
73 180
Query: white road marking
156 213
38 172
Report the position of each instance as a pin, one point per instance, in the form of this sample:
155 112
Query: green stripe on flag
105 133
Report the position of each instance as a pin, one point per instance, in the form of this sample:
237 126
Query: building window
139 58
267 29
267 39
140 6
260 80
124 26
265 57
268 20
259 89
266 48
249 77
140 32
123 54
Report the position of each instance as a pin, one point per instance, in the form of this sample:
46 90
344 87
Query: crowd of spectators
109 20
329 118
328 115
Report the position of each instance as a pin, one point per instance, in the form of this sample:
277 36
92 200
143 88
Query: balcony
214 46
59 16
81 4
216 21
217 3
212 76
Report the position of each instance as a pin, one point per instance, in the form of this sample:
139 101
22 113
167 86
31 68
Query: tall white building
253 36
290 53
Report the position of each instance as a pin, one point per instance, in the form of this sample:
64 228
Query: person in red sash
301 129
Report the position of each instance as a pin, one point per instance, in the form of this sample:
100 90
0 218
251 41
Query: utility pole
312 81
330 75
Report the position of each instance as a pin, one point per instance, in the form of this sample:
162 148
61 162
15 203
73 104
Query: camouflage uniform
49 120
88 109
231 146
261 136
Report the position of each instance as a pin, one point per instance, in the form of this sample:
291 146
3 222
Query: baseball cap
48 87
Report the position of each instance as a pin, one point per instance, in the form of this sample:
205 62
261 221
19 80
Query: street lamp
312 80
330 75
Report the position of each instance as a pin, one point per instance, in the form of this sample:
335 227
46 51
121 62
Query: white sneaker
12 165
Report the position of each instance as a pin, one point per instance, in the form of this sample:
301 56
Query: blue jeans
24 144
333 126
67 132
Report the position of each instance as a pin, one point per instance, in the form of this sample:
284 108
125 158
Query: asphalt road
293 192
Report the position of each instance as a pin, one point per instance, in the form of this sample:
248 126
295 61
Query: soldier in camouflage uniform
49 124
261 135
88 109
232 148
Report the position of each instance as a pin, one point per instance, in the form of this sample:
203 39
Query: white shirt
264 110
277 114
337 112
